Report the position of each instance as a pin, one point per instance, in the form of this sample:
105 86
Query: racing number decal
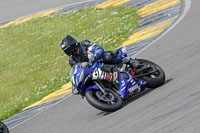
115 75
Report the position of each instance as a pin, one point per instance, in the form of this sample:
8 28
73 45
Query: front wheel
109 103
155 79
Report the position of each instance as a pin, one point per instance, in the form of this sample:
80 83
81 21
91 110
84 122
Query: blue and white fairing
74 76
122 86
78 75
129 85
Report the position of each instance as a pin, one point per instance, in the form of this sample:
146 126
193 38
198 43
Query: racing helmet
69 45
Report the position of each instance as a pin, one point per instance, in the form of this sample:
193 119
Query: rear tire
154 80
98 103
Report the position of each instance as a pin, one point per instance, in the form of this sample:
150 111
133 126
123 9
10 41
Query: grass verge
32 64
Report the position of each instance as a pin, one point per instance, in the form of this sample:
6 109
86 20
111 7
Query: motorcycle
109 96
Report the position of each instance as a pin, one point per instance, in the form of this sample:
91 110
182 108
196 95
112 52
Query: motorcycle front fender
95 87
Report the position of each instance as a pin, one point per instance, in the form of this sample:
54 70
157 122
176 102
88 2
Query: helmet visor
70 49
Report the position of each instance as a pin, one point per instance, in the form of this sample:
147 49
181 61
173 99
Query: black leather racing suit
88 51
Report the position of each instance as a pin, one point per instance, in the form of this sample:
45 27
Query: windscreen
72 71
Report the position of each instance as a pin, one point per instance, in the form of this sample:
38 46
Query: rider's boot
134 64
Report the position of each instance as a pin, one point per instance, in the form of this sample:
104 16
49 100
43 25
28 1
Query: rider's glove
93 60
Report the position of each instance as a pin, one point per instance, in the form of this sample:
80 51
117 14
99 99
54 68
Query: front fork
101 87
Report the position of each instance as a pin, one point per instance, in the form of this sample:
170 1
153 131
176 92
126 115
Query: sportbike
109 96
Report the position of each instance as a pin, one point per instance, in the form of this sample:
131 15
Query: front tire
109 103
156 79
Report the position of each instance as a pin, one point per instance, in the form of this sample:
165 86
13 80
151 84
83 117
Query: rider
87 51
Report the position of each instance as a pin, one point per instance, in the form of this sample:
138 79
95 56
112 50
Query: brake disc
107 98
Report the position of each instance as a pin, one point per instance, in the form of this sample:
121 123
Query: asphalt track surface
172 108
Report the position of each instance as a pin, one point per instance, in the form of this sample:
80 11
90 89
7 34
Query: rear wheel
110 102
156 78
